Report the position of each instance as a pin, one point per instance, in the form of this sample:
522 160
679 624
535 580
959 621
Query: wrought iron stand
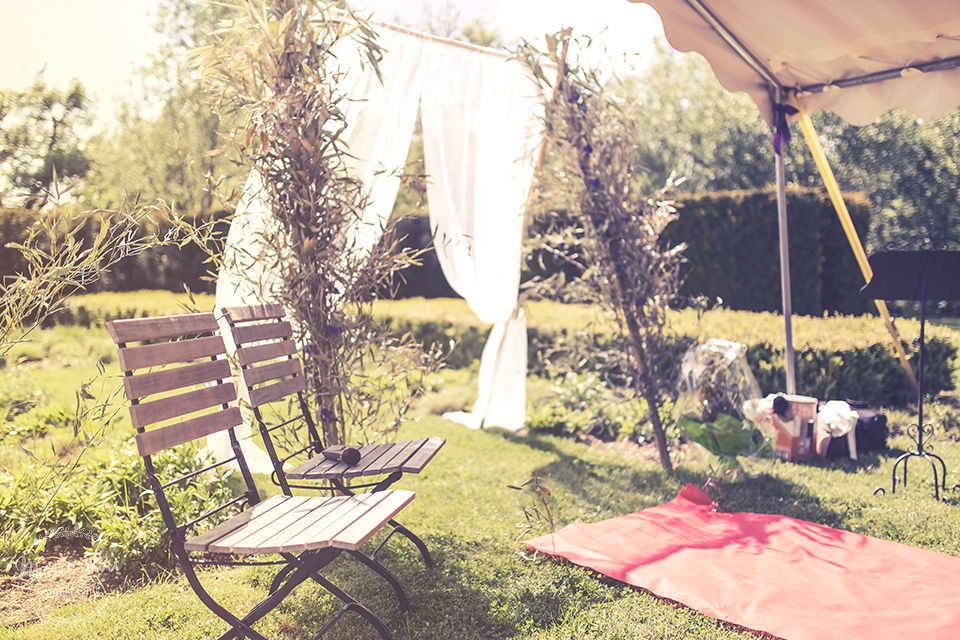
930 273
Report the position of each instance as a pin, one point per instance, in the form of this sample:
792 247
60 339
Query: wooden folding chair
272 371
179 385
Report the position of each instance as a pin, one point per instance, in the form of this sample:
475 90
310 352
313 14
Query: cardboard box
795 429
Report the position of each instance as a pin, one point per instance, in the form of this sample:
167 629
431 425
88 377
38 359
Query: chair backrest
178 382
271 369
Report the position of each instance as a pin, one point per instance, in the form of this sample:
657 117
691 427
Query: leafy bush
37 422
111 500
17 397
167 267
132 534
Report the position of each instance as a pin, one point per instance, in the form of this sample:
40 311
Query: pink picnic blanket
787 577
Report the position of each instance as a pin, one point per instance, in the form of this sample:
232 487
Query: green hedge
168 268
96 310
839 357
734 250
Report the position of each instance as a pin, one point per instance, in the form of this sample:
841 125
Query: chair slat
257 332
423 456
253 312
145 384
276 391
248 538
150 442
353 509
362 528
272 371
143 415
312 469
155 355
371 461
139 329
259 353
203 542
289 533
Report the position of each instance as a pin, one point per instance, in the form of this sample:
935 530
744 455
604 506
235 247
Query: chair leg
402 530
386 574
350 604
281 576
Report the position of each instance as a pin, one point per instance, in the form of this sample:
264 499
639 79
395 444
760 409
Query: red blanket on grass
787 577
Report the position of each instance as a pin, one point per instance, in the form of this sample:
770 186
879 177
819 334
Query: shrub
132 534
169 267
733 250
97 309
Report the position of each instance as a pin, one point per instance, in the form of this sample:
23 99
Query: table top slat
407 456
398 455
423 456
312 469
371 457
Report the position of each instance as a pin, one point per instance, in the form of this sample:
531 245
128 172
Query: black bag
872 429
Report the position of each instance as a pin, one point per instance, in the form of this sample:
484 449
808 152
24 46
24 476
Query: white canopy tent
857 58
481 133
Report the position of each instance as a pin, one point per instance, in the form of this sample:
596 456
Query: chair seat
298 523
408 456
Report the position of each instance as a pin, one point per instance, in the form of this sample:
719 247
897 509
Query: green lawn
484 584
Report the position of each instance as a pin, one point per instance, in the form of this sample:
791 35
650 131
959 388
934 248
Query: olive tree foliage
270 69
594 142
40 147
58 262
159 147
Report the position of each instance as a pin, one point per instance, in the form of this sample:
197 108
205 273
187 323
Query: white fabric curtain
480 134
380 120
480 115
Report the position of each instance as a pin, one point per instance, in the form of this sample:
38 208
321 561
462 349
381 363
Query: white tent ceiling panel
830 44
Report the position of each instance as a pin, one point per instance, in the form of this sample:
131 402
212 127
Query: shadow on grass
605 484
766 493
474 592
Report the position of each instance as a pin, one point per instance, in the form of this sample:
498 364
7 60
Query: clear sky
101 42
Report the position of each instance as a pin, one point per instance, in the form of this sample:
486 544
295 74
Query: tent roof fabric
814 46
791 578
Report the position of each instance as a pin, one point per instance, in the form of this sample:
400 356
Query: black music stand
916 275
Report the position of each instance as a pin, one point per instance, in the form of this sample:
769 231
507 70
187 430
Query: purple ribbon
781 111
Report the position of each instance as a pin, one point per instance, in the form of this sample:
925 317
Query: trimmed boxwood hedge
168 268
839 357
836 358
733 250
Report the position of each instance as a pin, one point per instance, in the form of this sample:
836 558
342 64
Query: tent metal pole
776 86
785 274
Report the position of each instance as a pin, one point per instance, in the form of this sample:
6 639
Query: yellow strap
833 189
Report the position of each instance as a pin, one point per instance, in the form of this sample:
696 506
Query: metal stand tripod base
929 457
